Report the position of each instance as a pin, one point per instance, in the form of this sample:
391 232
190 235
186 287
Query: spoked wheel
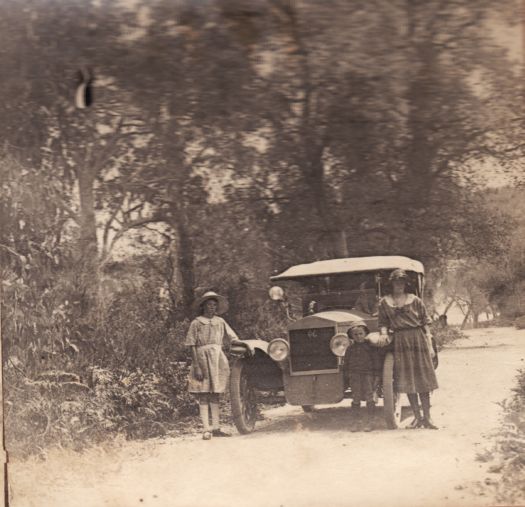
391 398
242 398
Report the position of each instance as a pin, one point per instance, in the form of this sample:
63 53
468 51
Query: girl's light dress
209 336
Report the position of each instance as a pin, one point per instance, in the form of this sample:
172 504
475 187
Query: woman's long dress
413 370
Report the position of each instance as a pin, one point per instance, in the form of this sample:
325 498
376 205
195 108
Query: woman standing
405 315
209 372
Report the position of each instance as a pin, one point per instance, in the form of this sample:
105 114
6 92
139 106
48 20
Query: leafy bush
39 414
133 402
261 322
127 360
498 321
43 413
510 447
445 334
519 323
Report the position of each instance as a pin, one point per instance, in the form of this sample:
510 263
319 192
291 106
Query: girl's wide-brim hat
222 302
398 274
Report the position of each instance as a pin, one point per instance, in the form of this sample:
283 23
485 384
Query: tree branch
70 212
107 226
134 224
106 152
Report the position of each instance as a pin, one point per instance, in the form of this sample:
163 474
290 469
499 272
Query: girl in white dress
209 372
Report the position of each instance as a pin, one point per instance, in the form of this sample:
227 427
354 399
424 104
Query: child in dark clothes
363 369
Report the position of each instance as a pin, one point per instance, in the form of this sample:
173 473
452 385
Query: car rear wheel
391 398
242 397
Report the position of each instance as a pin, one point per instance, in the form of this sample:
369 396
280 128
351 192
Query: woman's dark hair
409 286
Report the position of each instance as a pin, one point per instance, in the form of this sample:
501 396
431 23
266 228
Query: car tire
242 397
391 398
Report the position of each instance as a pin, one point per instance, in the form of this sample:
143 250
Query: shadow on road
327 420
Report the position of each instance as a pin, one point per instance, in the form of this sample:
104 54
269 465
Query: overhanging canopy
350 265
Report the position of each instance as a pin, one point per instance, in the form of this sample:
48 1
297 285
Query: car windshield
357 291
352 291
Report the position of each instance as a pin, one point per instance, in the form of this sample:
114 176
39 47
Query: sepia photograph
262 253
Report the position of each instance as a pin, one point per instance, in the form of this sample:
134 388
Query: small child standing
362 368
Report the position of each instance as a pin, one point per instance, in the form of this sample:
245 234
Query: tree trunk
475 319
337 245
87 243
342 247
465 320
449 305
421 150
314 142
87 260
186 259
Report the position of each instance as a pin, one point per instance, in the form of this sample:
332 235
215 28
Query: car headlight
278 349
339 343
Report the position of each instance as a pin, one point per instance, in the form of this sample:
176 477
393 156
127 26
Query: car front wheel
242 397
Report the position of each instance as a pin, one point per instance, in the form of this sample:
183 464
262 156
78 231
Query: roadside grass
45 413
46 416
507 455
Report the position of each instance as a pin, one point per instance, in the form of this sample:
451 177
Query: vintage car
308 364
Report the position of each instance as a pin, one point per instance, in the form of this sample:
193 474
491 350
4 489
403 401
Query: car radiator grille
310 350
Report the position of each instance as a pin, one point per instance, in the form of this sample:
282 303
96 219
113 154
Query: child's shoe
356 416
220 433
369 425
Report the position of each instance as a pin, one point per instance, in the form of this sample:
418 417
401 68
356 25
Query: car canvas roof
350 265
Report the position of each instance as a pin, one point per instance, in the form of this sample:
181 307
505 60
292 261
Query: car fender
247 348
265 373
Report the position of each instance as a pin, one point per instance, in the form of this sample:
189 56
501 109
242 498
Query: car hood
330 318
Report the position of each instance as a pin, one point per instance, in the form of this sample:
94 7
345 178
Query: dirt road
296 459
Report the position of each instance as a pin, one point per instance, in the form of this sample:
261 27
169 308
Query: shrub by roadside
508 453
46 413
519 322
498 321
444 335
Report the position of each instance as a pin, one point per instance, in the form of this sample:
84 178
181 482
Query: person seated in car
366 302
362 368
